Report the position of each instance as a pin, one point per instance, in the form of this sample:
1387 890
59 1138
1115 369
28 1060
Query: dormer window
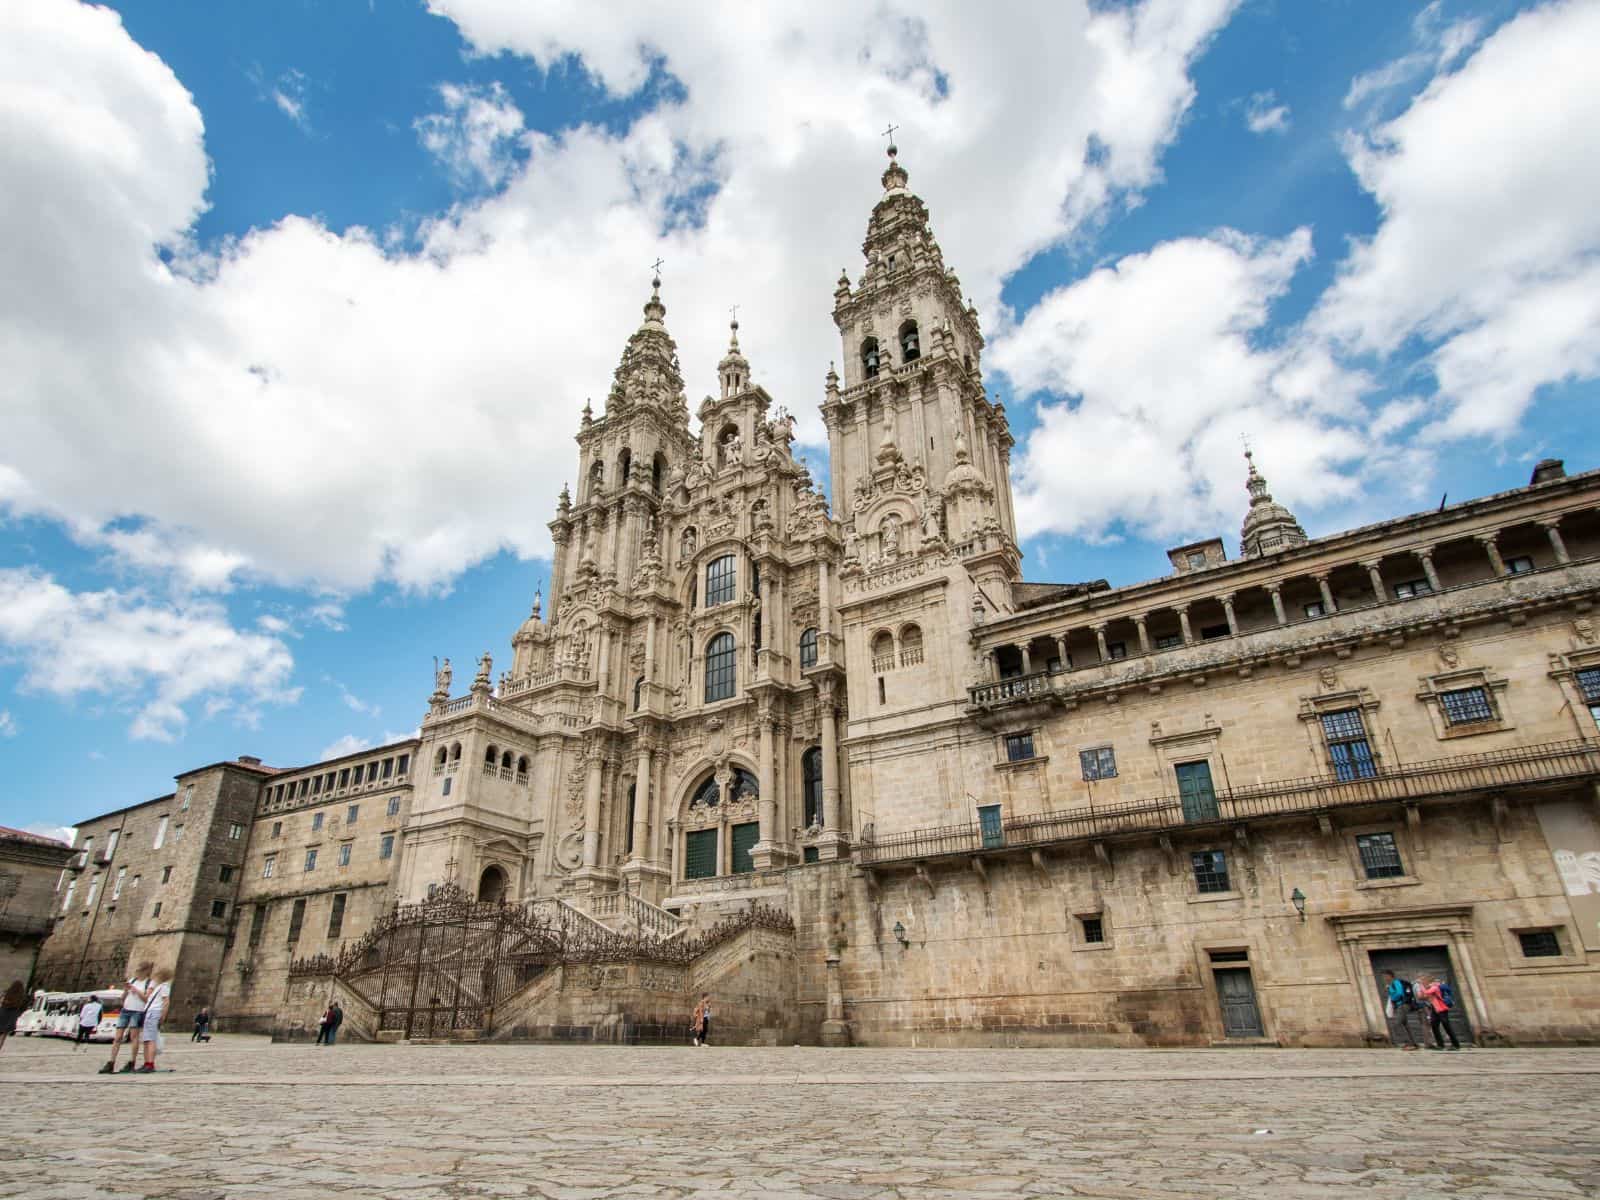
910 347
869 357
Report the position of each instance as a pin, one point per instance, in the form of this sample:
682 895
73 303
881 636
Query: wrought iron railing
1550 762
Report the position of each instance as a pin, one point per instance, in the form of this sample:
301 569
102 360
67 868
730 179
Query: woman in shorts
157 998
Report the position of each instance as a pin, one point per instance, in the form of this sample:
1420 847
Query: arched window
491 886
721 661
808 648
719 581
624 465
658 472
811 785
910 346
490 756
707 795
597 480
883 651
744 784
522 766
869 357
633 793
638 692
455 752
506 761
910 646
444 756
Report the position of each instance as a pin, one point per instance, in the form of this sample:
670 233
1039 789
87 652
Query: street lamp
900 935
1299 899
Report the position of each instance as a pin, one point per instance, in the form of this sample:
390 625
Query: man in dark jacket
335 1019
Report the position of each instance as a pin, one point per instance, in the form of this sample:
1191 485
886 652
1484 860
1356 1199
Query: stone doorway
1412 961
492 886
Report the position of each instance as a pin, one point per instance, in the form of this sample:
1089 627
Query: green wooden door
744 838
1194 789
700 854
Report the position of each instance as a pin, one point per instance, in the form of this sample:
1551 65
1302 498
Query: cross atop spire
889 133
655 267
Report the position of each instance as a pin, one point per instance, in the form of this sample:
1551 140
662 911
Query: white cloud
60 833
1437 45
8 724
1488 249
348 744
352 701
1163 358
475 136
289 94
155 657
1263 114
96 756
403 405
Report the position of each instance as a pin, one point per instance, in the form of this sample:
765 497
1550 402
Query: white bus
55 1014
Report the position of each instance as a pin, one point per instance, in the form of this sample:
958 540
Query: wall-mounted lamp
900 935
1299 899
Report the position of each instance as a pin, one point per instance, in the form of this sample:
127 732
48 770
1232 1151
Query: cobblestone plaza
242 1117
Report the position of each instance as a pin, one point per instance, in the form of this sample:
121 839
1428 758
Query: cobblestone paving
242 1118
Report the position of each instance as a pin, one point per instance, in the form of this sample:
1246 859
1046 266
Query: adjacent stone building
31 868
851 772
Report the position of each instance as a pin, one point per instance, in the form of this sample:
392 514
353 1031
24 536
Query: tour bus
55 1014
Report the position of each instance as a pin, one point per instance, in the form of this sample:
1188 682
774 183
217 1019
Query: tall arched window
658 472
811 785
633 799
883 651
506 760
624 464
721 661
490 756
719 581
910 346
910 646
444 755
869 357
597 480
492 886
808 648
455 752
638 692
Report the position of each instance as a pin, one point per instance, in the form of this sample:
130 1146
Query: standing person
11 1006
1400 1005
131 1021
88 1021
335 1019
701 1022
322 1025
1437 997
202 1025
157 998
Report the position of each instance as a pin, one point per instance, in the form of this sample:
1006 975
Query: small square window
1116 650
219 909
1315 609
311 860
1019 746
351 813
1197 559
1210 870
1466 706
394 806
1519 566
277 829
235 832
224 874
1099 763
1380 857
1539 943
1411 589
1094 929
316 822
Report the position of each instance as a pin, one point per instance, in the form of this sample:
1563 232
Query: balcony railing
1019 687
1551 762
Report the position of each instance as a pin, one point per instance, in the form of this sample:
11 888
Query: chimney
1548 469
249 760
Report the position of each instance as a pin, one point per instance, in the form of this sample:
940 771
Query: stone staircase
623 912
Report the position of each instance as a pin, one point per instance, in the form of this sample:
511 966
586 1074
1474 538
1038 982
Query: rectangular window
311 859
235 832
224 874
1539 943
1411 589
351 813
316 822
1099 763
1315 609
743 838
161 834
1589 685
1210 633
219 909
1094 929
305 786
1117 650
1210 870
810 854
721 666
67 903
268 866
1380 857
87 849
134 882
445 790
404 765
1466 706
1519 566
277 829
257 920
111 845
386 846
177 834
1019 746
394 806
336 915
316 785
188 795
344 778
1195 791
344 853
297 918
388 768
719 581
991 827
1348 748
166 874
116 888
156 911
94 890
700 854
1168 641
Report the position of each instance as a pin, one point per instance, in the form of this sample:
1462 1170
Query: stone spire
734 369
648 373
1268 527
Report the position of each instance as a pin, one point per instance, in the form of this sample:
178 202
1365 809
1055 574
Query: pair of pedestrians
328 1027
144 1003
1405 1001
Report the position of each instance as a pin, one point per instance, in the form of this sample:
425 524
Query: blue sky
307 298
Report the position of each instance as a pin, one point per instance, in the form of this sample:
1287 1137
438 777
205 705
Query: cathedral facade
939 804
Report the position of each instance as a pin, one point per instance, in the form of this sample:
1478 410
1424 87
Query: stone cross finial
889 133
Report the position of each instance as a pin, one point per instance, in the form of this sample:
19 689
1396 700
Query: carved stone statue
485 666
889 532
733 450
442 678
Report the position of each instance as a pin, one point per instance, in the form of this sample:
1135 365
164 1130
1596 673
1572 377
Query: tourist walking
1439 999
701 1022
335 1019
157 998
11 1006
88 1021
131 1020
202 1025
1400 1007
324 1024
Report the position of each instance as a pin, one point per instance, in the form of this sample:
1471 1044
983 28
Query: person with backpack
1439 999
1400 1006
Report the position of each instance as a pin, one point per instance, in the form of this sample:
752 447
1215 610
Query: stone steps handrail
1549 762
653 919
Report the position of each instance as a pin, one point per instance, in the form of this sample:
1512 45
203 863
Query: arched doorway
492 886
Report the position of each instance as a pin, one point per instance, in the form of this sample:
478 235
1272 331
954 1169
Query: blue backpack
1447 995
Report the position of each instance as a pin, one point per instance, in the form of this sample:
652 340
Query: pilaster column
1552 530
993 658
603 660
827 709
1227 609
1276 592
641 801
824 614
591 811
767 807
1183 623
1100 641
1027 662
1144 635
1061 652
1489 542
1376 576
1425 557
1328 606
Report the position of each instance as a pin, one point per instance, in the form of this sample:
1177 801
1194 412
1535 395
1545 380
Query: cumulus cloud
1161 361
348 744
1488 248
1263 114
401 403
158 658
59 833
476 134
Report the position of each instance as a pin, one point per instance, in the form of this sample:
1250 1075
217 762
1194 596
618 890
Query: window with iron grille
1348 748
1094 929
743 838
1464 706
1210 870
1589 685
808 648
1019 746
1099 763
1380 857
1539 943
700 854
336 915
721 661
257 919
719 581
297 918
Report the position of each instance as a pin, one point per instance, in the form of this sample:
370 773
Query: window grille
1348 748
1464 706
1094 929
1210 870
700 854
1019 746
1380 857
743 838
336 915
719 581
1539 943
1099 763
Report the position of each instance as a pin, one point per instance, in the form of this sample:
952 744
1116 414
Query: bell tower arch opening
492 885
